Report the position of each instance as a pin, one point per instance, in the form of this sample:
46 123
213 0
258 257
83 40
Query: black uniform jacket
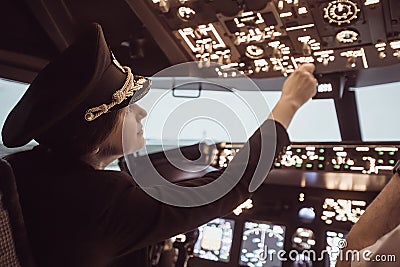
78 216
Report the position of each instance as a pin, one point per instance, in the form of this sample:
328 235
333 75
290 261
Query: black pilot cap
74 91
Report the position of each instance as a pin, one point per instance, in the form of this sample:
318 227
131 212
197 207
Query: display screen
334 242
215 240
261 242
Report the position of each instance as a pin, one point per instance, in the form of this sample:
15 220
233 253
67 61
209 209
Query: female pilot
78 214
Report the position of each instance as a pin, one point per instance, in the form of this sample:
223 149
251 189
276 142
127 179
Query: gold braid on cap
131 85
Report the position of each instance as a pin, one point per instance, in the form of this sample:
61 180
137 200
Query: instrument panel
270 38
291 221
360 158
286 226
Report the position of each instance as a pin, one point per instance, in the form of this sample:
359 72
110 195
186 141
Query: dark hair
80 138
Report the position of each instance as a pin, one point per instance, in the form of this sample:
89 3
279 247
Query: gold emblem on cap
132 84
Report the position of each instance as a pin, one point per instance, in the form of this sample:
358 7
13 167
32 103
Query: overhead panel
272 38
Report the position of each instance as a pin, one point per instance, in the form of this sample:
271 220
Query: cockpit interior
345 141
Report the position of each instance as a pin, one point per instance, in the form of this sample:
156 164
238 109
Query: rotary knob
341 12
347 36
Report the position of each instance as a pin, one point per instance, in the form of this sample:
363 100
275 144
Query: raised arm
297 90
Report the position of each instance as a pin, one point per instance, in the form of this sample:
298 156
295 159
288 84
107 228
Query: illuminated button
309 165
321 166
380 161
298 150
336 167
277 164
186 13
346 167
321 158
391 153
381 153
392 161
321 150
298 165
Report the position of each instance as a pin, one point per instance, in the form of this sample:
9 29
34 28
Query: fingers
312 78
309 67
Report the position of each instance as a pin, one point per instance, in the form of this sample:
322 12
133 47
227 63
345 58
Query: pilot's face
133 129
128 135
